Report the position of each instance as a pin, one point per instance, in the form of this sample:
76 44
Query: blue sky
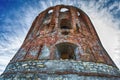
16 17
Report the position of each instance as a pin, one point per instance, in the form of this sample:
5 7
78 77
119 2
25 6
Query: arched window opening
78 13
50 11
63 10
66 50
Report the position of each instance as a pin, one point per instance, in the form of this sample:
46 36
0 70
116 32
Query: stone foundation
59 70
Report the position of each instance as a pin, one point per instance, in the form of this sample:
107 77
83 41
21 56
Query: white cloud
107 28
101 17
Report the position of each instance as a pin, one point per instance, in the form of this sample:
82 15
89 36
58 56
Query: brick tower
61 44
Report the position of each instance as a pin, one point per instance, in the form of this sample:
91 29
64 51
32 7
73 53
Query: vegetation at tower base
62 44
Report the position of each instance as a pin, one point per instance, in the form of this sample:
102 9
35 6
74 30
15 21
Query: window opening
78 13
63 10
50 11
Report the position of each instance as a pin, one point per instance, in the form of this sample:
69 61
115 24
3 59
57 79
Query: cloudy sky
16 17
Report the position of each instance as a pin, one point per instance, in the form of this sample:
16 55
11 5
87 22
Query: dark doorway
66 50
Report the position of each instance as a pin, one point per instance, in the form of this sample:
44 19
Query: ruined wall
61 44
62 24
